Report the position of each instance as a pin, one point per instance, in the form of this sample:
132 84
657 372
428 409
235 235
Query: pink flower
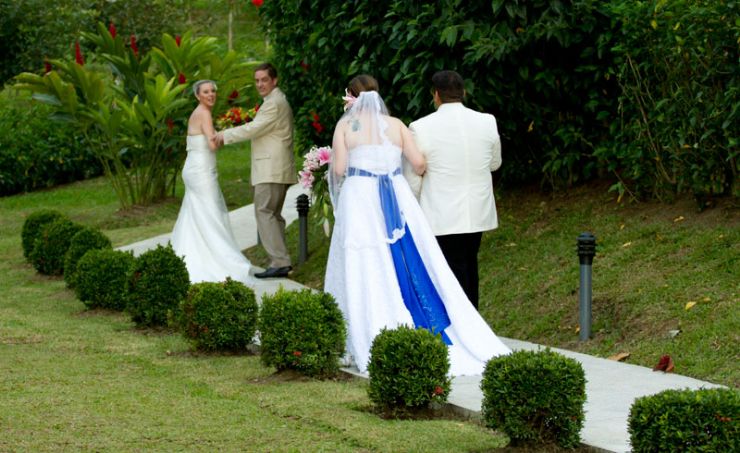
307 178
324 155
348 99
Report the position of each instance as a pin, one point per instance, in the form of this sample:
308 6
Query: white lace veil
365 118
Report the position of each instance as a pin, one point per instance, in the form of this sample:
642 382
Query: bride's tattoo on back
355 125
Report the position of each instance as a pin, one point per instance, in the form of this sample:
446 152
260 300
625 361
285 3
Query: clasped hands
218 140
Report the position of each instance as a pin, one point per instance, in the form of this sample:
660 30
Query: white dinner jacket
462 148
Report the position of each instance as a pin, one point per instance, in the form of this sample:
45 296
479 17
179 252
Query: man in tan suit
462 148
273 167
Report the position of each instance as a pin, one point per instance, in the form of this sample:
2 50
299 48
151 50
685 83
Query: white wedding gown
202 233
362 276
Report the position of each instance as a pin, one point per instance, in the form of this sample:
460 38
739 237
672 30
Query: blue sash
417 289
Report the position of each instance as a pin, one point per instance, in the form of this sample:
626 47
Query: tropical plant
133 106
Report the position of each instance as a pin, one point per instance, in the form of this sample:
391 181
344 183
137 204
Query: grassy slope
652 260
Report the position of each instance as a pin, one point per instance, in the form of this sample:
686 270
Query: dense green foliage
408 370
37 153
51 246
303 331
87 238
36 30
219 316
678 70
535 397
101 278
705 420
32 227
157 283
555 74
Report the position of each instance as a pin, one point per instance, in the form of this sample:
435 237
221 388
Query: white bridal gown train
363 266
202 233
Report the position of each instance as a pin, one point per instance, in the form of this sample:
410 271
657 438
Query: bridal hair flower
348 99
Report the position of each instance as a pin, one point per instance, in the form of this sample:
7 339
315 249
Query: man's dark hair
450 86
271 71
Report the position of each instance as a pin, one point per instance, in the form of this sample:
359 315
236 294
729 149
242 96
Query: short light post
586 252
302 206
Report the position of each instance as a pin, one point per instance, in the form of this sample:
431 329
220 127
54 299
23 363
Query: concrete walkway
611 386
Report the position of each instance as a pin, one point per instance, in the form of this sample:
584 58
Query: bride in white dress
202 233
385 268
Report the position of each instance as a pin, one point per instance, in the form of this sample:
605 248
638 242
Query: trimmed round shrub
686 420
219 316
535 397
408 370
302 330
33 226
101 278
87 238
52 244
156 285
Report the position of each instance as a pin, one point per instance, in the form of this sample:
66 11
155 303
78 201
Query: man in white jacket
462 148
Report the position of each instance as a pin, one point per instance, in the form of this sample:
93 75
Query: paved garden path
611 386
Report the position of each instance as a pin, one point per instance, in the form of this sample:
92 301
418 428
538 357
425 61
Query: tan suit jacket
271 133
462 148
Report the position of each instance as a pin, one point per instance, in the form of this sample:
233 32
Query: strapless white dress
202 233
362 269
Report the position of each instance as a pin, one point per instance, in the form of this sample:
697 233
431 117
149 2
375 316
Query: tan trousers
268 204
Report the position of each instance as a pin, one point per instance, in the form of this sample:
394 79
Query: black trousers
461 253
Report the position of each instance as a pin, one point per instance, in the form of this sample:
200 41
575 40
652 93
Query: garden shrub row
534 397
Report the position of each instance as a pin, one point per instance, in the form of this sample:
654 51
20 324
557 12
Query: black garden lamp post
586 252
302 207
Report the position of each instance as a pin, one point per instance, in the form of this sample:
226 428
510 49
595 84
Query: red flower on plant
319 128
178 40
170 125
315 116
79 59
297 353
305 66
438 390
233 96
47 67
134 47
257 3
112 30
256 108
181 78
